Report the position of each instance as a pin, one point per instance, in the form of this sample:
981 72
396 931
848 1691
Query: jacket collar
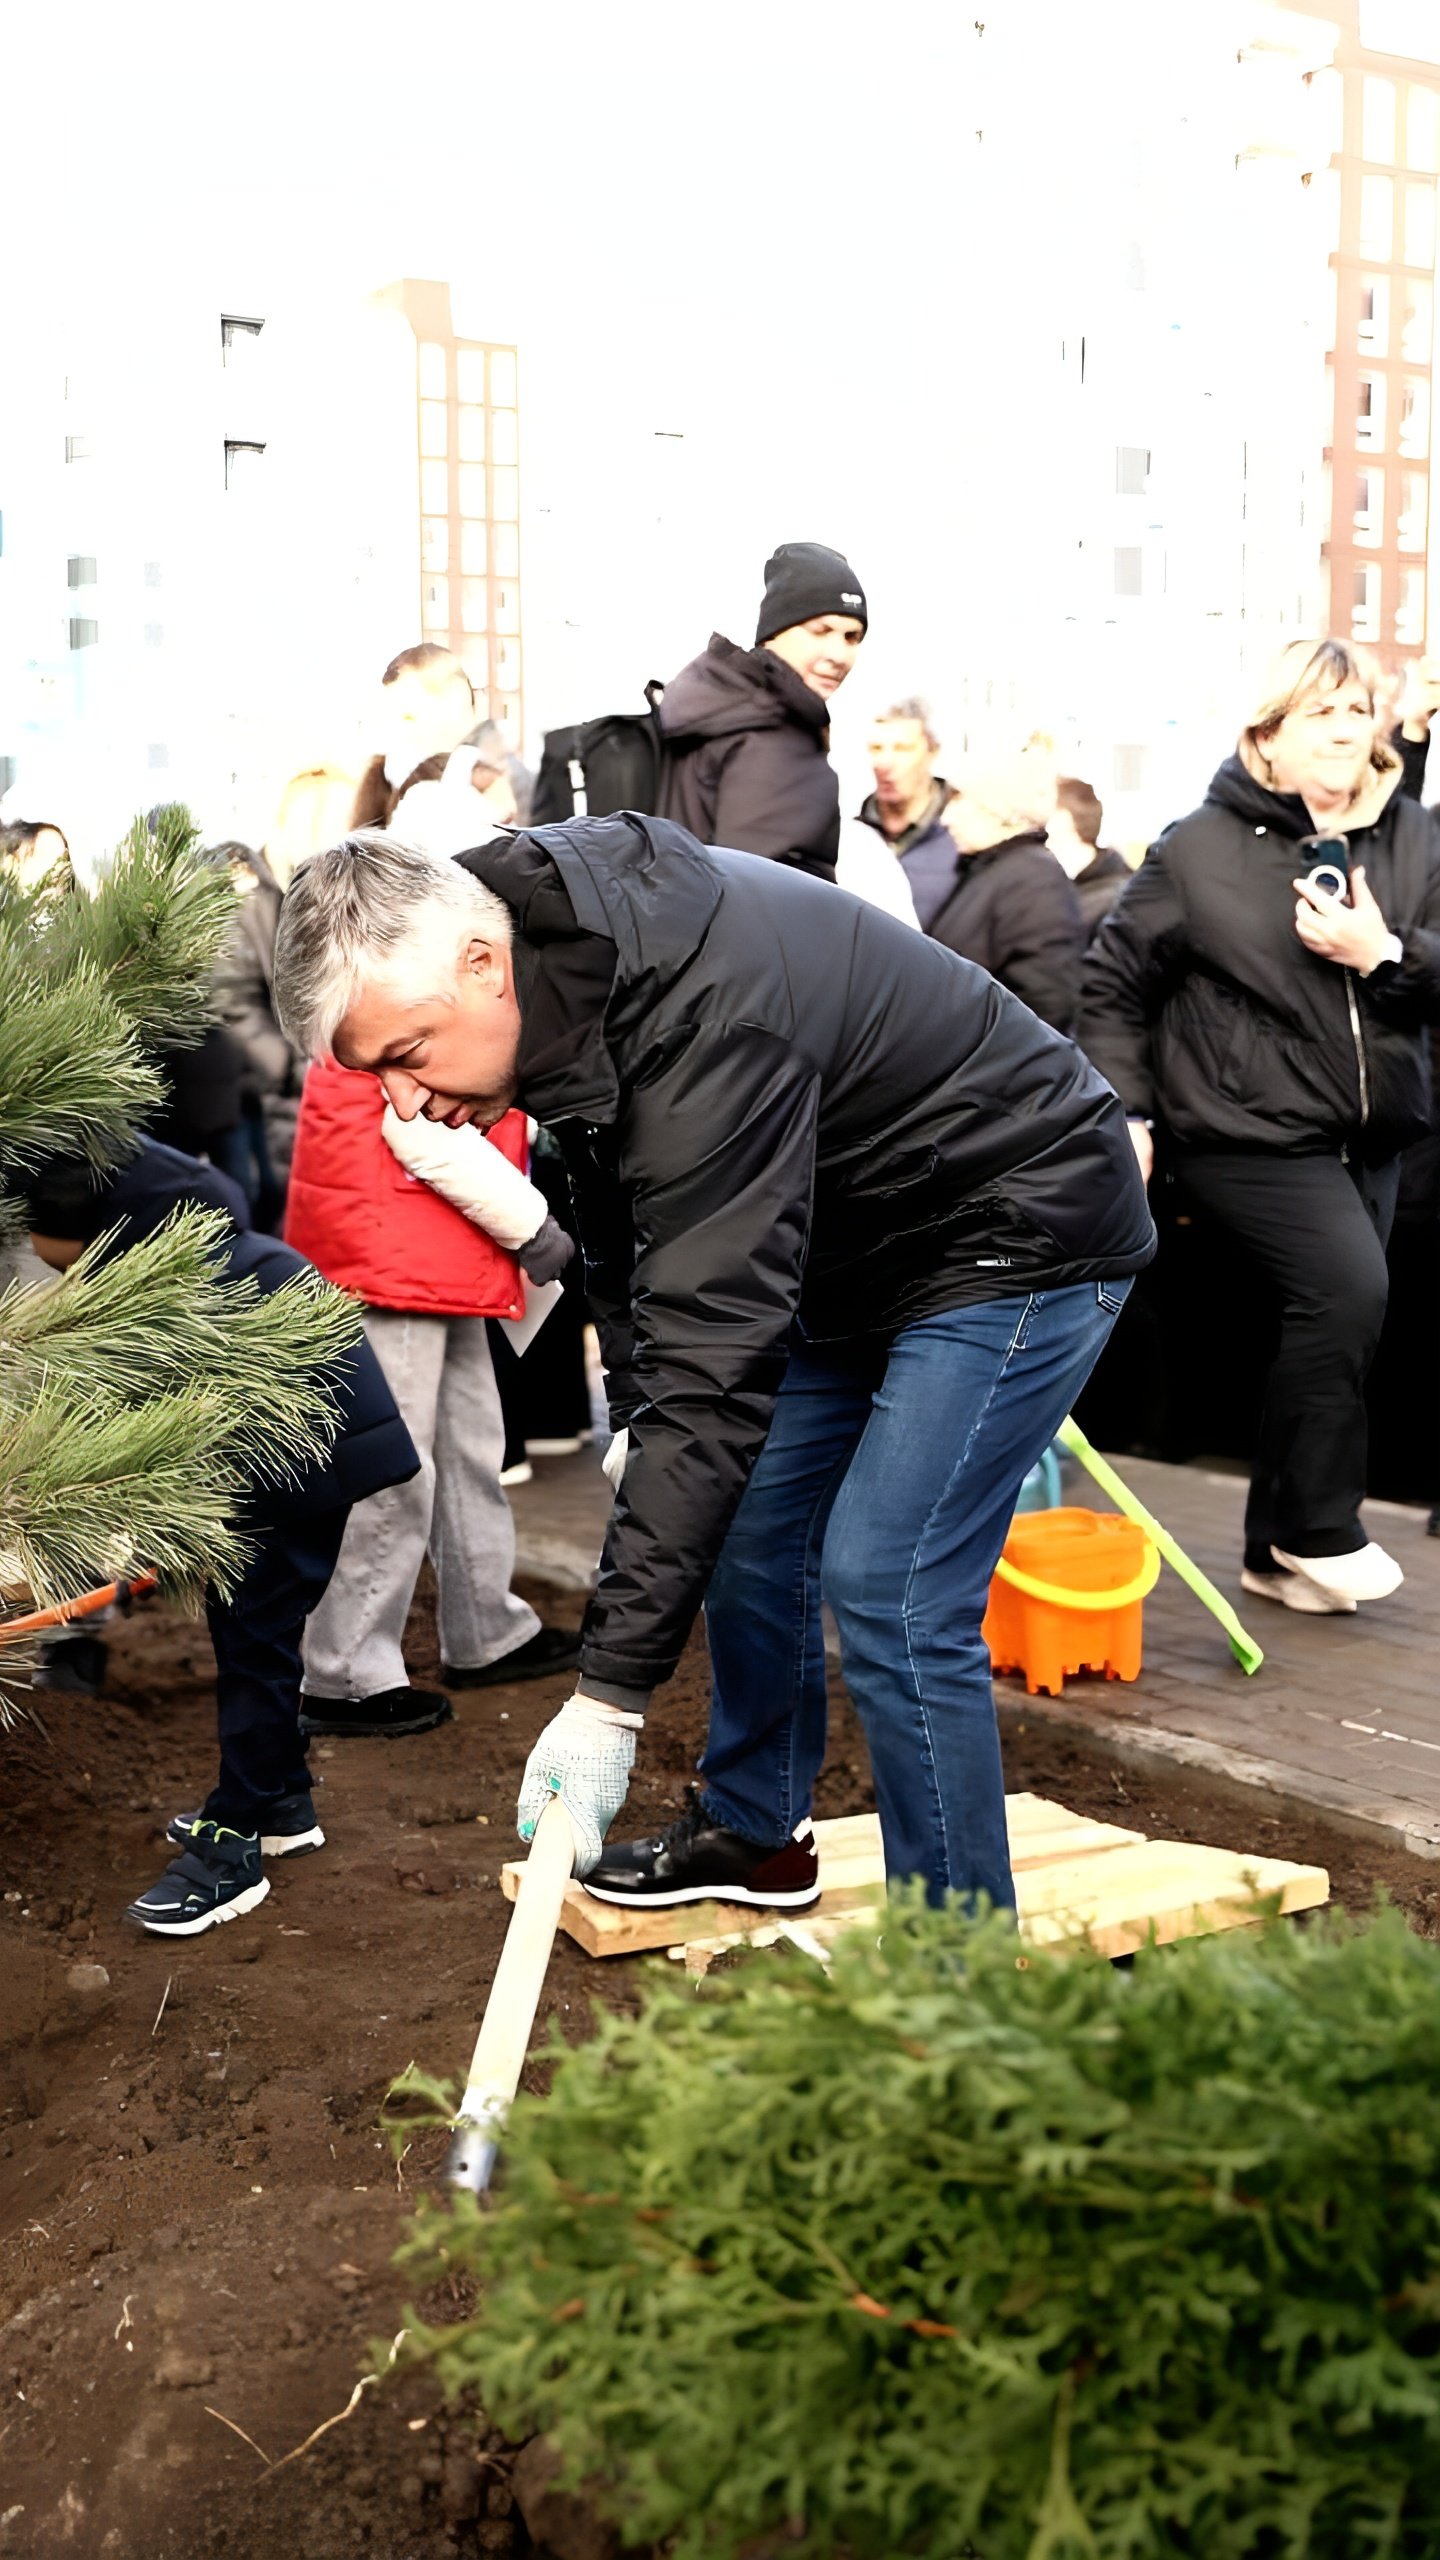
607 912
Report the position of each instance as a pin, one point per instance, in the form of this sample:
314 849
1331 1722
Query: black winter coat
1098 886
1203 1007
778 1106
748 763
1012 911
245 995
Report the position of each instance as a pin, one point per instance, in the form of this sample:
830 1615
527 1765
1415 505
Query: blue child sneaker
216 1877
288 1827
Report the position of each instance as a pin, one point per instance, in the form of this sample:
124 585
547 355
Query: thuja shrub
946 2251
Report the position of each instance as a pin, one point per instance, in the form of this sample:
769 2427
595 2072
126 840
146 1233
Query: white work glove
612 1465
472 1175
585 1756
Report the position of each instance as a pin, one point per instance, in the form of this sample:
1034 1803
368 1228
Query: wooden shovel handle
504 2038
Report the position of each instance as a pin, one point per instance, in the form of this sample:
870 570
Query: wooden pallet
1076 1879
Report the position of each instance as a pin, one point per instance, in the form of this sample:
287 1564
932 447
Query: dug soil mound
197 2213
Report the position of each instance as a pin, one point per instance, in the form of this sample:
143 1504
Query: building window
237 336
1417 322
435 542
1415 416
435 603
1370 409
502 380
7 775
152 573
1377 123
1377 218
472 489
474 605
158 759
505 495
1410 611
1411 524
434 418
1365 602
83 633
1420 225
241 461
472 435
470 373
1422 128
507 551
1369 506
472 549
79 571
1128 769
507 666
1132 470
434 384
1129 570
434 488
154 635
78 448
1373 332
504 436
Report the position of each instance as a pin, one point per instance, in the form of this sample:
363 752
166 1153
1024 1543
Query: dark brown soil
197 2213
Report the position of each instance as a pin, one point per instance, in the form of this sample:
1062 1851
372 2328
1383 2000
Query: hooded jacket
372 1448
779 1108
1012 910
1203 1007
748 761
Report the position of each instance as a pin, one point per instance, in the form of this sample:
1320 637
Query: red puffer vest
354 1211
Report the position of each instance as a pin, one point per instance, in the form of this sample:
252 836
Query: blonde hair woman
1259 993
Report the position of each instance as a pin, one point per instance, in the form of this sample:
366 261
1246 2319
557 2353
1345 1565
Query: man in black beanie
748 730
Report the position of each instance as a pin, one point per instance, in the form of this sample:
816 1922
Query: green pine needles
144 1397
942 2254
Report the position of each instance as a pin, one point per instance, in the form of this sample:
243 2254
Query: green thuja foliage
943 2252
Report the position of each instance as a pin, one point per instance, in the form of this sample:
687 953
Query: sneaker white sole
234 1909
676 1894
1368 1574
1293 1591
290 1844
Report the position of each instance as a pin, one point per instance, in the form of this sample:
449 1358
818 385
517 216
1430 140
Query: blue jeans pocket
1112 1294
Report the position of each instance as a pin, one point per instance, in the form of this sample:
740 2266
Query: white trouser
440 1375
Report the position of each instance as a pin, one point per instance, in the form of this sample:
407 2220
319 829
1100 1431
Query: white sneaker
1368 1574
521 1473
1294 1592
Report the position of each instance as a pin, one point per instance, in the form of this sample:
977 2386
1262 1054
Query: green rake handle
1244 1647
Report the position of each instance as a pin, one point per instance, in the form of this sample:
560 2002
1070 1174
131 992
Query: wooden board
1074 1878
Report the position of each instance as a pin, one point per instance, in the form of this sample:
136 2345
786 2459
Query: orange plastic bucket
1069 1595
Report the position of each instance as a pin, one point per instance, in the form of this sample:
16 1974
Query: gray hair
372 906
913 706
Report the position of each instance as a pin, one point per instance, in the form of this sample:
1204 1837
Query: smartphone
1328 858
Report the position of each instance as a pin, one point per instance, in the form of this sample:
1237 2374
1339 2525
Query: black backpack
616 762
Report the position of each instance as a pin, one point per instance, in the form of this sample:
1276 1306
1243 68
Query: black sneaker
288 1829
388 1711
549 1649
217 1877
696 1861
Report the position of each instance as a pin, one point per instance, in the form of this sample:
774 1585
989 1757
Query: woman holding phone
1260 992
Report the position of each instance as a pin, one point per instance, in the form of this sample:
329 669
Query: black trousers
256 1635
1317 1227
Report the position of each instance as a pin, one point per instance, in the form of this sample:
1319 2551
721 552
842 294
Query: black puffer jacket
1203 1007
749 762
1013 912
775 1103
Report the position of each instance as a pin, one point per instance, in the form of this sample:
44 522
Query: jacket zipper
1357 1034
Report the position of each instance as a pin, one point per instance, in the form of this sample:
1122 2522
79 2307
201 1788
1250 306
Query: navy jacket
373 1449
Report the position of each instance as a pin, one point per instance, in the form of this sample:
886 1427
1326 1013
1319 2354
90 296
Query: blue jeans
886 1487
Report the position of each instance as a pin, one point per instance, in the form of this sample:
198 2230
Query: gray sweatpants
441 1377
